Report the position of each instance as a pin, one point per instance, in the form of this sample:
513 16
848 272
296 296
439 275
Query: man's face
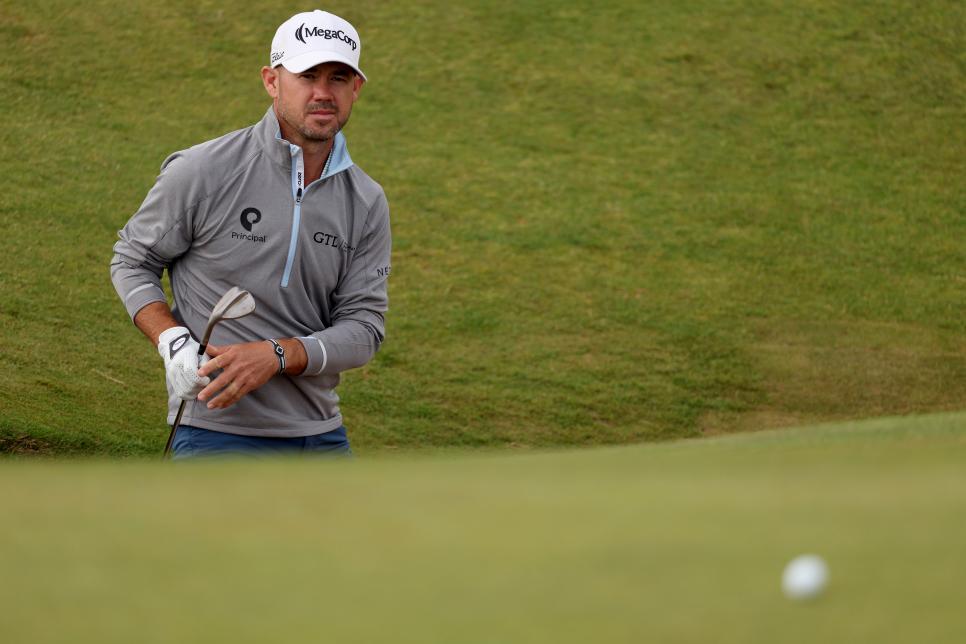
312 106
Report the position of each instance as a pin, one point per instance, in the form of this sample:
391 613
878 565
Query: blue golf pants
190 442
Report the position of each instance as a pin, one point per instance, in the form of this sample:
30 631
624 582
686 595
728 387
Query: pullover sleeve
359 303
157 234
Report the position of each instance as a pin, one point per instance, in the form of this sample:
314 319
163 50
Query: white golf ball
805 577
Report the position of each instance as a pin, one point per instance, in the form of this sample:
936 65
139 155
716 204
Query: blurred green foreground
681 542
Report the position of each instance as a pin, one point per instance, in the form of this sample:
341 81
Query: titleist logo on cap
303 32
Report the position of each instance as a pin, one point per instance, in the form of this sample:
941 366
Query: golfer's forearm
153 319
348 344
295 356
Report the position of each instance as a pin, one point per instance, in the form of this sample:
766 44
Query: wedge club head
235 303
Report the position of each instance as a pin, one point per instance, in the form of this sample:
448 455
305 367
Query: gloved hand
181 364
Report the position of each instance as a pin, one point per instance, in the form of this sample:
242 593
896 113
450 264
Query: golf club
235 303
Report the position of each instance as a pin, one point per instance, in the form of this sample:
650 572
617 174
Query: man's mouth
322 110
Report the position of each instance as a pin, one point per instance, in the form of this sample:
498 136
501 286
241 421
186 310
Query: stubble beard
307 132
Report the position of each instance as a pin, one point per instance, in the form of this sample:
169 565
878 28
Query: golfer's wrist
154 319
295 358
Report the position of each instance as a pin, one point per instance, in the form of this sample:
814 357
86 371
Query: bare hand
244 368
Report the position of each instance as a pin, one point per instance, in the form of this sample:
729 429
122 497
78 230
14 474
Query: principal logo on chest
248 218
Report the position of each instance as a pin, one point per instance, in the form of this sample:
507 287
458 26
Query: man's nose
321 90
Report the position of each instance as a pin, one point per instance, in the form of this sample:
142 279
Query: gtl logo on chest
334 241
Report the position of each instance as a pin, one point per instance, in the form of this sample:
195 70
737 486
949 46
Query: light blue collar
339 158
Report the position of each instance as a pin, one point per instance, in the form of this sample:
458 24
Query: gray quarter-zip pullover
234 212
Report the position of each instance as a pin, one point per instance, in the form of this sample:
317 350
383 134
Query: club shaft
177 419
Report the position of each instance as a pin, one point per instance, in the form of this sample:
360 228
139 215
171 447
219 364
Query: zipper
298 191
298 180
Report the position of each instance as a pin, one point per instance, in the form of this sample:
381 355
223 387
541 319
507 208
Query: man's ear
357 84
270 81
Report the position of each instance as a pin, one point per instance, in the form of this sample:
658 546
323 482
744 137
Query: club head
235 303
240 304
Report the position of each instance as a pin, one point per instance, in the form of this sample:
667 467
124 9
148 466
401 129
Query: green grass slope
613 222
677 542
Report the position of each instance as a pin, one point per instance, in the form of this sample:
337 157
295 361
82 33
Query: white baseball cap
308 39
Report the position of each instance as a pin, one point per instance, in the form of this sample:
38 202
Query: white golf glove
181 364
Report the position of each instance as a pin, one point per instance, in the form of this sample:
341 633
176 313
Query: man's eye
339 78
308 76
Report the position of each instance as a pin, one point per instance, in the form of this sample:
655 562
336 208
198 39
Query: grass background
613 221
679 542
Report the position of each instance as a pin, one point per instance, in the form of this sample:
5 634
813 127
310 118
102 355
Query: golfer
280 210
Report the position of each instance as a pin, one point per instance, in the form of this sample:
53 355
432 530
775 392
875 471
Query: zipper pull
298 196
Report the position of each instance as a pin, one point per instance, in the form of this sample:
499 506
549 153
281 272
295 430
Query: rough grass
613 222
